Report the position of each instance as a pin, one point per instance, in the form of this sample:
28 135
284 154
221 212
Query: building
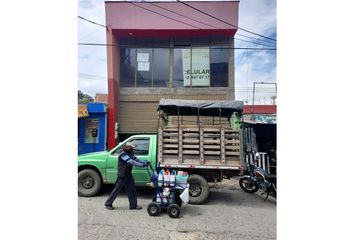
161 50
92 127
101 98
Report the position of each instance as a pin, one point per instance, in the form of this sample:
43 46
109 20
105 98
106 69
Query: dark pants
129 184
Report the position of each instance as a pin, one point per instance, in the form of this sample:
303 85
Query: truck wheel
89 183
173 211
198 189
153 209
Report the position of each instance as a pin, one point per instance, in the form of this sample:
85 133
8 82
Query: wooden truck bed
199 147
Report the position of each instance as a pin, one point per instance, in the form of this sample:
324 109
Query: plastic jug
160 178
173 178
166 178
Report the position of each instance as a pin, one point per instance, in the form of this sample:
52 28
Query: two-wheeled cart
167 197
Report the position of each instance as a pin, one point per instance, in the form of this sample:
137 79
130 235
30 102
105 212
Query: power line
103 44
164 15
253 42
225 21
181 14
258 39
92 22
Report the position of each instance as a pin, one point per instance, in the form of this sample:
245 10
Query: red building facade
166 50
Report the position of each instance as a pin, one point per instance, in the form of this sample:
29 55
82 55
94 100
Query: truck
194 136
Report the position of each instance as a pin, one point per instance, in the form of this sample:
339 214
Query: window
161 67
141 149
197 62
127 67
144 72
219 67
142 146
144 67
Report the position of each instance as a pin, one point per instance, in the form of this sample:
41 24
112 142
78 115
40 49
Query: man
126 161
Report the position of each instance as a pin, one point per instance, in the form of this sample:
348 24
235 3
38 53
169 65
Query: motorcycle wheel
248 186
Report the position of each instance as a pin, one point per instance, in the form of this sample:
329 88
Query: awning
82 111
260 118
201 107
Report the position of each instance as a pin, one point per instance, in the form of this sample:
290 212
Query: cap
130 144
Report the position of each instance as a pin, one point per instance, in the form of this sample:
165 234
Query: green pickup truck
207 152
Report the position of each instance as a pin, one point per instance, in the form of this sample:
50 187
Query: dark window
219 67
142 146
127 67
161 67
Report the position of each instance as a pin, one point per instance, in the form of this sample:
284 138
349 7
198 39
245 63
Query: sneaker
137 207
109 207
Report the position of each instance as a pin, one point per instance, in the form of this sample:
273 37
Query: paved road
229 213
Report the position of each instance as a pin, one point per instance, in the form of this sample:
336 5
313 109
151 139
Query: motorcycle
257 179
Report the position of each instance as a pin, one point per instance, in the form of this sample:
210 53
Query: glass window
161 67
219 67
142 146
200 73
179 69
127 67
144 72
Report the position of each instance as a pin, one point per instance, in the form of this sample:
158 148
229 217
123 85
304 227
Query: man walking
126 161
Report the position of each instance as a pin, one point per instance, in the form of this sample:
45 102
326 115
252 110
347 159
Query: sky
258 16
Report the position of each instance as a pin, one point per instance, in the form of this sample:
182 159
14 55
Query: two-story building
166 50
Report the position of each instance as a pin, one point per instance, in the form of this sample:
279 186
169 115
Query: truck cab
101 167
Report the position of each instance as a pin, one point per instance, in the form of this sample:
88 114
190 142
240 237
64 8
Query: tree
83 98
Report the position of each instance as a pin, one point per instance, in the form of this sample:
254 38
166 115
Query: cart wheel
173 211
154 209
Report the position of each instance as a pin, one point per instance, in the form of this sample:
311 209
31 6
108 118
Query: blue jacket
126 161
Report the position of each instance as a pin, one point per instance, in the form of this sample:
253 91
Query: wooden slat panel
190 146
211 152
222 144
170 151
232 141
190 134
191 140
167 134
170 140
170 145
196 152
180 146
232 148
211 146
212 141
201 146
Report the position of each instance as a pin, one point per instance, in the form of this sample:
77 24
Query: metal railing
262 161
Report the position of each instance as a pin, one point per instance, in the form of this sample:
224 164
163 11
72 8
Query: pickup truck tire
198 189
89 183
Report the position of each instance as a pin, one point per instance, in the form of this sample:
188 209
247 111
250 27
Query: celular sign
200 72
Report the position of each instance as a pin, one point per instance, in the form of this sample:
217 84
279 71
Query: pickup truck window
141 149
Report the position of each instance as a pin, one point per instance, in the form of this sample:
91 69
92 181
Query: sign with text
200 72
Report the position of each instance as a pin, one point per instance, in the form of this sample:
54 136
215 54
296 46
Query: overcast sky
251 66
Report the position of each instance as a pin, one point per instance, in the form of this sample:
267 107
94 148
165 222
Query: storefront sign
82 111
91 130
200 72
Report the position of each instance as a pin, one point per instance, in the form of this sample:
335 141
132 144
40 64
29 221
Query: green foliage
84 98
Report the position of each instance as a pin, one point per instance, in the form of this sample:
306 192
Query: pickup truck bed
200 147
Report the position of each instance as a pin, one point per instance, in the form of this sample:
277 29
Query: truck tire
198 189
89 183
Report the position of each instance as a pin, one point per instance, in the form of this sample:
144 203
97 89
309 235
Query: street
229 213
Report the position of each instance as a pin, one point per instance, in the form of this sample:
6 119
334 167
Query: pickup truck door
141 151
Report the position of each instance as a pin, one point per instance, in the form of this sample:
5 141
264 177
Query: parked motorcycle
257 179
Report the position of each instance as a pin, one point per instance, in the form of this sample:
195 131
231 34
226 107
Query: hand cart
172 202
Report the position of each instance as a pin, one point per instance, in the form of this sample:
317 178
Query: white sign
143 57
200 73
143 66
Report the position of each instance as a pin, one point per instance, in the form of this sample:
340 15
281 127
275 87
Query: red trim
112 91
173 32
249 109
